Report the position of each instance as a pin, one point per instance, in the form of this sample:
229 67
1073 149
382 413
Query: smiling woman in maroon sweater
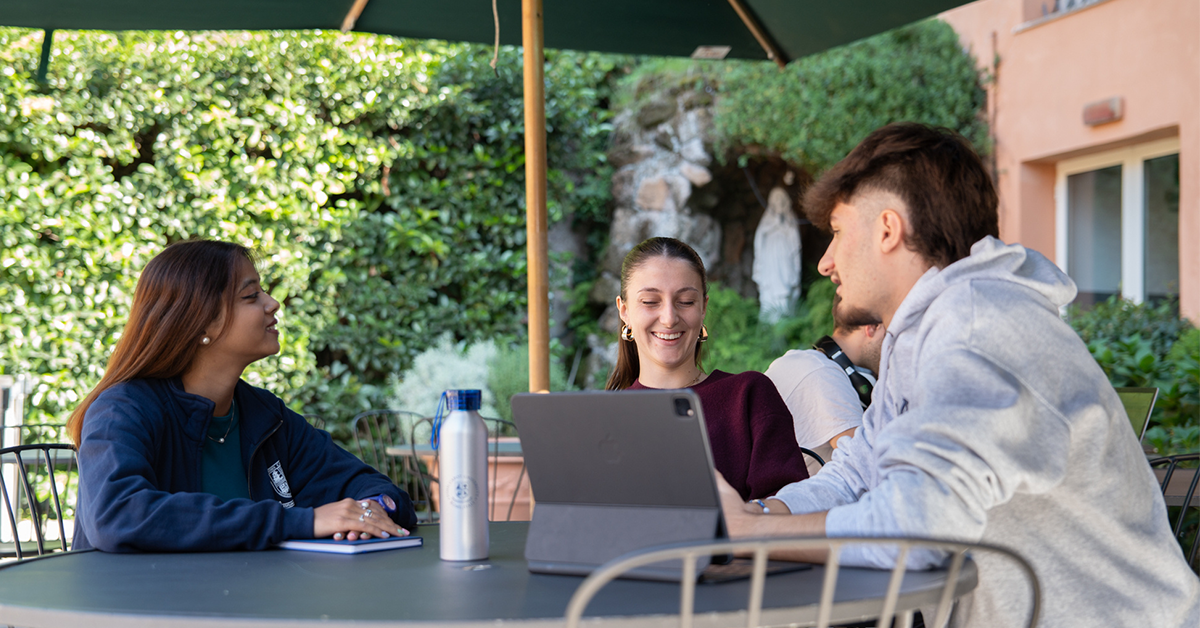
664 296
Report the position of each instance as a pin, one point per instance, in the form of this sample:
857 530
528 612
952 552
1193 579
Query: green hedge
1149 345
817 109
814 111
738 341
382 180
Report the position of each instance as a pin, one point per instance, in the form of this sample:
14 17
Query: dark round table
407 587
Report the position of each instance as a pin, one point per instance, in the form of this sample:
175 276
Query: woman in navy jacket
176 453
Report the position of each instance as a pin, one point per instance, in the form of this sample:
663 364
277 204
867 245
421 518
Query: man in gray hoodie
991 422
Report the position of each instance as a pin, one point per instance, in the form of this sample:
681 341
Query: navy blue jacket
140 477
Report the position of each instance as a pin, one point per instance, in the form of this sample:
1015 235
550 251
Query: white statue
777 258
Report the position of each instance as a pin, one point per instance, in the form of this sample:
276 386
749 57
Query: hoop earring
205 340
626 333
703 333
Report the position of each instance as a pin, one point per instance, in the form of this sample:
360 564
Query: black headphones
861 384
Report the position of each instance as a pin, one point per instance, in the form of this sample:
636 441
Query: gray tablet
613 472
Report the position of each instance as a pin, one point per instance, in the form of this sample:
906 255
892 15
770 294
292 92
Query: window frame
1133 206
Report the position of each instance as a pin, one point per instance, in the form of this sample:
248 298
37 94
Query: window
1118 222
1062 6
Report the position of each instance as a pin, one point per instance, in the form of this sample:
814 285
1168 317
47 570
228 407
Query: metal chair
1184 498
1139 403
423 429
374 431
812 454
38 486
420 433
825 610
42 433
315 420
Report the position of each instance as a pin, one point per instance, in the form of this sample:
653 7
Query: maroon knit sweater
750 431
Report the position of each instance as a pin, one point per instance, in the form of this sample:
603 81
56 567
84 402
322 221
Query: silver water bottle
462 478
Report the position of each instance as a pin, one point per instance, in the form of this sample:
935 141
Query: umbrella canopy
650 27
779 30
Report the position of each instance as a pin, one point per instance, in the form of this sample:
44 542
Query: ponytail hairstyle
179 294
627 369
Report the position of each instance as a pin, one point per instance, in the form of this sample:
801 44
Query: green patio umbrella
779 30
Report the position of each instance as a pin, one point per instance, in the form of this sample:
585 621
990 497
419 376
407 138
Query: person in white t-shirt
824 401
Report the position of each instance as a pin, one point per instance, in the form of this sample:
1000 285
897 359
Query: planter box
503 472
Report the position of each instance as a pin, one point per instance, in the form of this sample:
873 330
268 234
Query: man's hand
737 513
742 522
734 509
353 519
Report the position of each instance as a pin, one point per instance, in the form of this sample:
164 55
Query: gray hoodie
991 422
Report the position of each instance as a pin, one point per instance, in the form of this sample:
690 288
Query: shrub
738 341
1159 325
445 366
508 374
814 316
382 179
1149 345
819 107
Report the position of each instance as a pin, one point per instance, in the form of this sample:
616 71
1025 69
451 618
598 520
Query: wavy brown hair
627 369
951 201
180 293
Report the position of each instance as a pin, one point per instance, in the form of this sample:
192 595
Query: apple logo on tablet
610 450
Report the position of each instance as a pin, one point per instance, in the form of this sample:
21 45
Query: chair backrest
39 487
812 454
1179 480
315 420
497 427
1139 403
376 430
422 493
39 433
823 614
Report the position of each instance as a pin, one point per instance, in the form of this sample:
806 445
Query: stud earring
703 333
205 340
626 333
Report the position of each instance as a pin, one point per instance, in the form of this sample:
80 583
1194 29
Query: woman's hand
354 519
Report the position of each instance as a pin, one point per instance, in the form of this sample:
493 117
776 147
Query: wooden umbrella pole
535 196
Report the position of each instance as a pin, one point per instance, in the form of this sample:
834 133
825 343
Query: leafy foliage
819 107
738 341
1149 345
446 365
382 180
814 111
508 374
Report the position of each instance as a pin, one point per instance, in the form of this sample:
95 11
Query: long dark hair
180 293
628 367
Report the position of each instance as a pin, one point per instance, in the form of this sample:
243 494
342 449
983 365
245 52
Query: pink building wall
1046 69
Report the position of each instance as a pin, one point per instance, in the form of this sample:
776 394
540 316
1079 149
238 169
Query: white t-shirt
822 399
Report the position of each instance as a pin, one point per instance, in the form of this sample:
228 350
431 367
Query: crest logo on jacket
279 481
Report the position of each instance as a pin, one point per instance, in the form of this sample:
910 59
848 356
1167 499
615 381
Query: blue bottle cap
464 399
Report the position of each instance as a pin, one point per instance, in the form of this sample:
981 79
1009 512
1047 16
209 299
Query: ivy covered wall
383 180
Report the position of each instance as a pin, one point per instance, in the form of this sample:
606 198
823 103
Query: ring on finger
362 517
363 505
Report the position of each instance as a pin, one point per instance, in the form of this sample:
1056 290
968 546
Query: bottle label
463 491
